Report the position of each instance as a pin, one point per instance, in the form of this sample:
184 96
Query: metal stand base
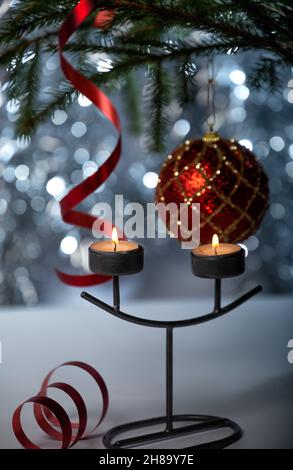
202 423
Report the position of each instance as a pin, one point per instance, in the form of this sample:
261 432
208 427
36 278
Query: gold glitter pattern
227 181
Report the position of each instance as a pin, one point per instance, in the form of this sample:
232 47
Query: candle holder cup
194 423
218 267
120 263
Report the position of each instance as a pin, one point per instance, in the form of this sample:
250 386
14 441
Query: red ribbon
80 192
51 416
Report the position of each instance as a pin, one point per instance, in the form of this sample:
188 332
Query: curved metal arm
217 312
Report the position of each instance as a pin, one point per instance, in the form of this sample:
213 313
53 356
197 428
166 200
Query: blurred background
36 174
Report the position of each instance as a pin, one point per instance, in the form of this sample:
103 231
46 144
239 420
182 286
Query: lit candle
215 242
115 239
218 260
115 257
114 245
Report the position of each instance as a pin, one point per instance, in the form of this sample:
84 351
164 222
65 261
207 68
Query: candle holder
219 266
194 423
121 263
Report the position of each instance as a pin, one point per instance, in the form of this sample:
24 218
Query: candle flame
215 242
115 239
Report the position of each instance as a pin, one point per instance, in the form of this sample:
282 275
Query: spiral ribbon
51 416
80 192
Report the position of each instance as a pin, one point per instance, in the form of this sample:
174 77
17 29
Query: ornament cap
211 137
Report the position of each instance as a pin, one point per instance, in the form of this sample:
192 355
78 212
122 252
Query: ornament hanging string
211 109
80 192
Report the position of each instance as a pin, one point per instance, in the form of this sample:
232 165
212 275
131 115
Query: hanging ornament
221 175
224 178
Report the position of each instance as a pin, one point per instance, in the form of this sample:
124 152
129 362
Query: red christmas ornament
227 181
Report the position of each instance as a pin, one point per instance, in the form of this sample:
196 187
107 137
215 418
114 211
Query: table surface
235 366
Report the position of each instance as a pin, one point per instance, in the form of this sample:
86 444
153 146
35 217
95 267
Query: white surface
235 366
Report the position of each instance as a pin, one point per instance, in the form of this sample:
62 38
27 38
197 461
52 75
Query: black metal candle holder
218 266
199 423
120 263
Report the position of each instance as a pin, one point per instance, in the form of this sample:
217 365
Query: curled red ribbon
51 416
80 192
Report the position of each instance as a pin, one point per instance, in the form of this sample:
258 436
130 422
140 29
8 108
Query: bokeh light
150 179
55 186
68 245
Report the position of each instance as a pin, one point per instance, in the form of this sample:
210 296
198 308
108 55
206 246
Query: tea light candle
115 257
218 260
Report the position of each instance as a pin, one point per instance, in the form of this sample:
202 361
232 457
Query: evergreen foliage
164 39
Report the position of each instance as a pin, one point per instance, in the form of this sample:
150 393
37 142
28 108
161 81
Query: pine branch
130 92
28 16
265 75
150 35
8 54
30 90
58 100
157 97
185 82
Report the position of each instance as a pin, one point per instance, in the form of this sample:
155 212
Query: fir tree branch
153 35
185 82
58 100
157 97
265 75
130 93
29 91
